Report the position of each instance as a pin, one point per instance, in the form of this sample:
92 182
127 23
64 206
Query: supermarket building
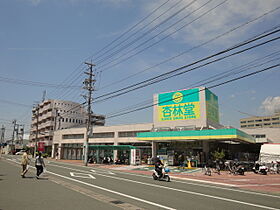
185 125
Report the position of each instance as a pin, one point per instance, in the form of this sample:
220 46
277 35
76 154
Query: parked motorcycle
260 169
240 170
163 176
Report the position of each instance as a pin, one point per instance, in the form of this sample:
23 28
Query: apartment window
276 123
258 120
73 136
103 135
66 119
259 136
250 121
69 119
275 118
127 134
267 124
266 120
258 125
243 121
243 126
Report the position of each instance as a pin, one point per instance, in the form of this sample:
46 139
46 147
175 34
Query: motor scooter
163 176
261 169
240 170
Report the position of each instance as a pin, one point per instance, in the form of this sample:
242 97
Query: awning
231 134
112 147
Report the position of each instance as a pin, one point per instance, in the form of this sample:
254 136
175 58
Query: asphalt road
68 186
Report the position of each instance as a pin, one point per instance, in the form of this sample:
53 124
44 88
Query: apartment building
51 115
271 121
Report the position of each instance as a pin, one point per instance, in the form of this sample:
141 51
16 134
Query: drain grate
117 202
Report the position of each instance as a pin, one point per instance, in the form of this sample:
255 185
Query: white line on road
112 191
188 183
208 186
105 189
82 175
179 190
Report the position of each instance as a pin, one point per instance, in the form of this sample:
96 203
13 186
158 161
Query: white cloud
228 15
271 104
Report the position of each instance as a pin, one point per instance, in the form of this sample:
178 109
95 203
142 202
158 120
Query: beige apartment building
271 121
51 115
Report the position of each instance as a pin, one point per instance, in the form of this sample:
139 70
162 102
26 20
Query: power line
210 87
151 45
195 47
34 83
168 74
130 29
14 103
204 82
149 31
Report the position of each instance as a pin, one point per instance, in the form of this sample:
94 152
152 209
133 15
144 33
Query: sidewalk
32 194
250 181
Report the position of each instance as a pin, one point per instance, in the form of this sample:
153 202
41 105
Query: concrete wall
102 129
272 134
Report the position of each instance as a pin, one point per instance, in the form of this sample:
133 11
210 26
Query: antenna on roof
44 95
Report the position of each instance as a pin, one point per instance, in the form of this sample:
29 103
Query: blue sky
47 41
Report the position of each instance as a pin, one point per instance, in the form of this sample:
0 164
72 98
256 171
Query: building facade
51 115
264 135
271 121
185 126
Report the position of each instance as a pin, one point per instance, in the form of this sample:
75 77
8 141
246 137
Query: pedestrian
24 163
56 155
39 164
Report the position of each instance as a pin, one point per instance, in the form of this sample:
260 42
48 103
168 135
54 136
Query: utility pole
13 135
2 139
89 86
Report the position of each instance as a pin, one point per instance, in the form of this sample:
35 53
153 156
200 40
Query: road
70 185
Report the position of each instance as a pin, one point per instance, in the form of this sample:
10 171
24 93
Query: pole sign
179 105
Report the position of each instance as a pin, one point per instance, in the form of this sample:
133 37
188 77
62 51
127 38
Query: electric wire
161 76
210 87
233 71
130 29
148 32
165 37
139 31
195 47
34 83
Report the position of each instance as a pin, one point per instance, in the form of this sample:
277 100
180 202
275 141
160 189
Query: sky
44 44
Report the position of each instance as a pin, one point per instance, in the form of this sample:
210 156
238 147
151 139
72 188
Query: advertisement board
179 105
41 146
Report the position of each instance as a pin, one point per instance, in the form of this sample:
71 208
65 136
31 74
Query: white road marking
112 191
188 183
195 180
105 172
108 190
183 191
207 186
82 175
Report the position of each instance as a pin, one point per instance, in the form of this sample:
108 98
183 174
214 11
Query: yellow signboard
181 111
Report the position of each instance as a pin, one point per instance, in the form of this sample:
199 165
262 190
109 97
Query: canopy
112 147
